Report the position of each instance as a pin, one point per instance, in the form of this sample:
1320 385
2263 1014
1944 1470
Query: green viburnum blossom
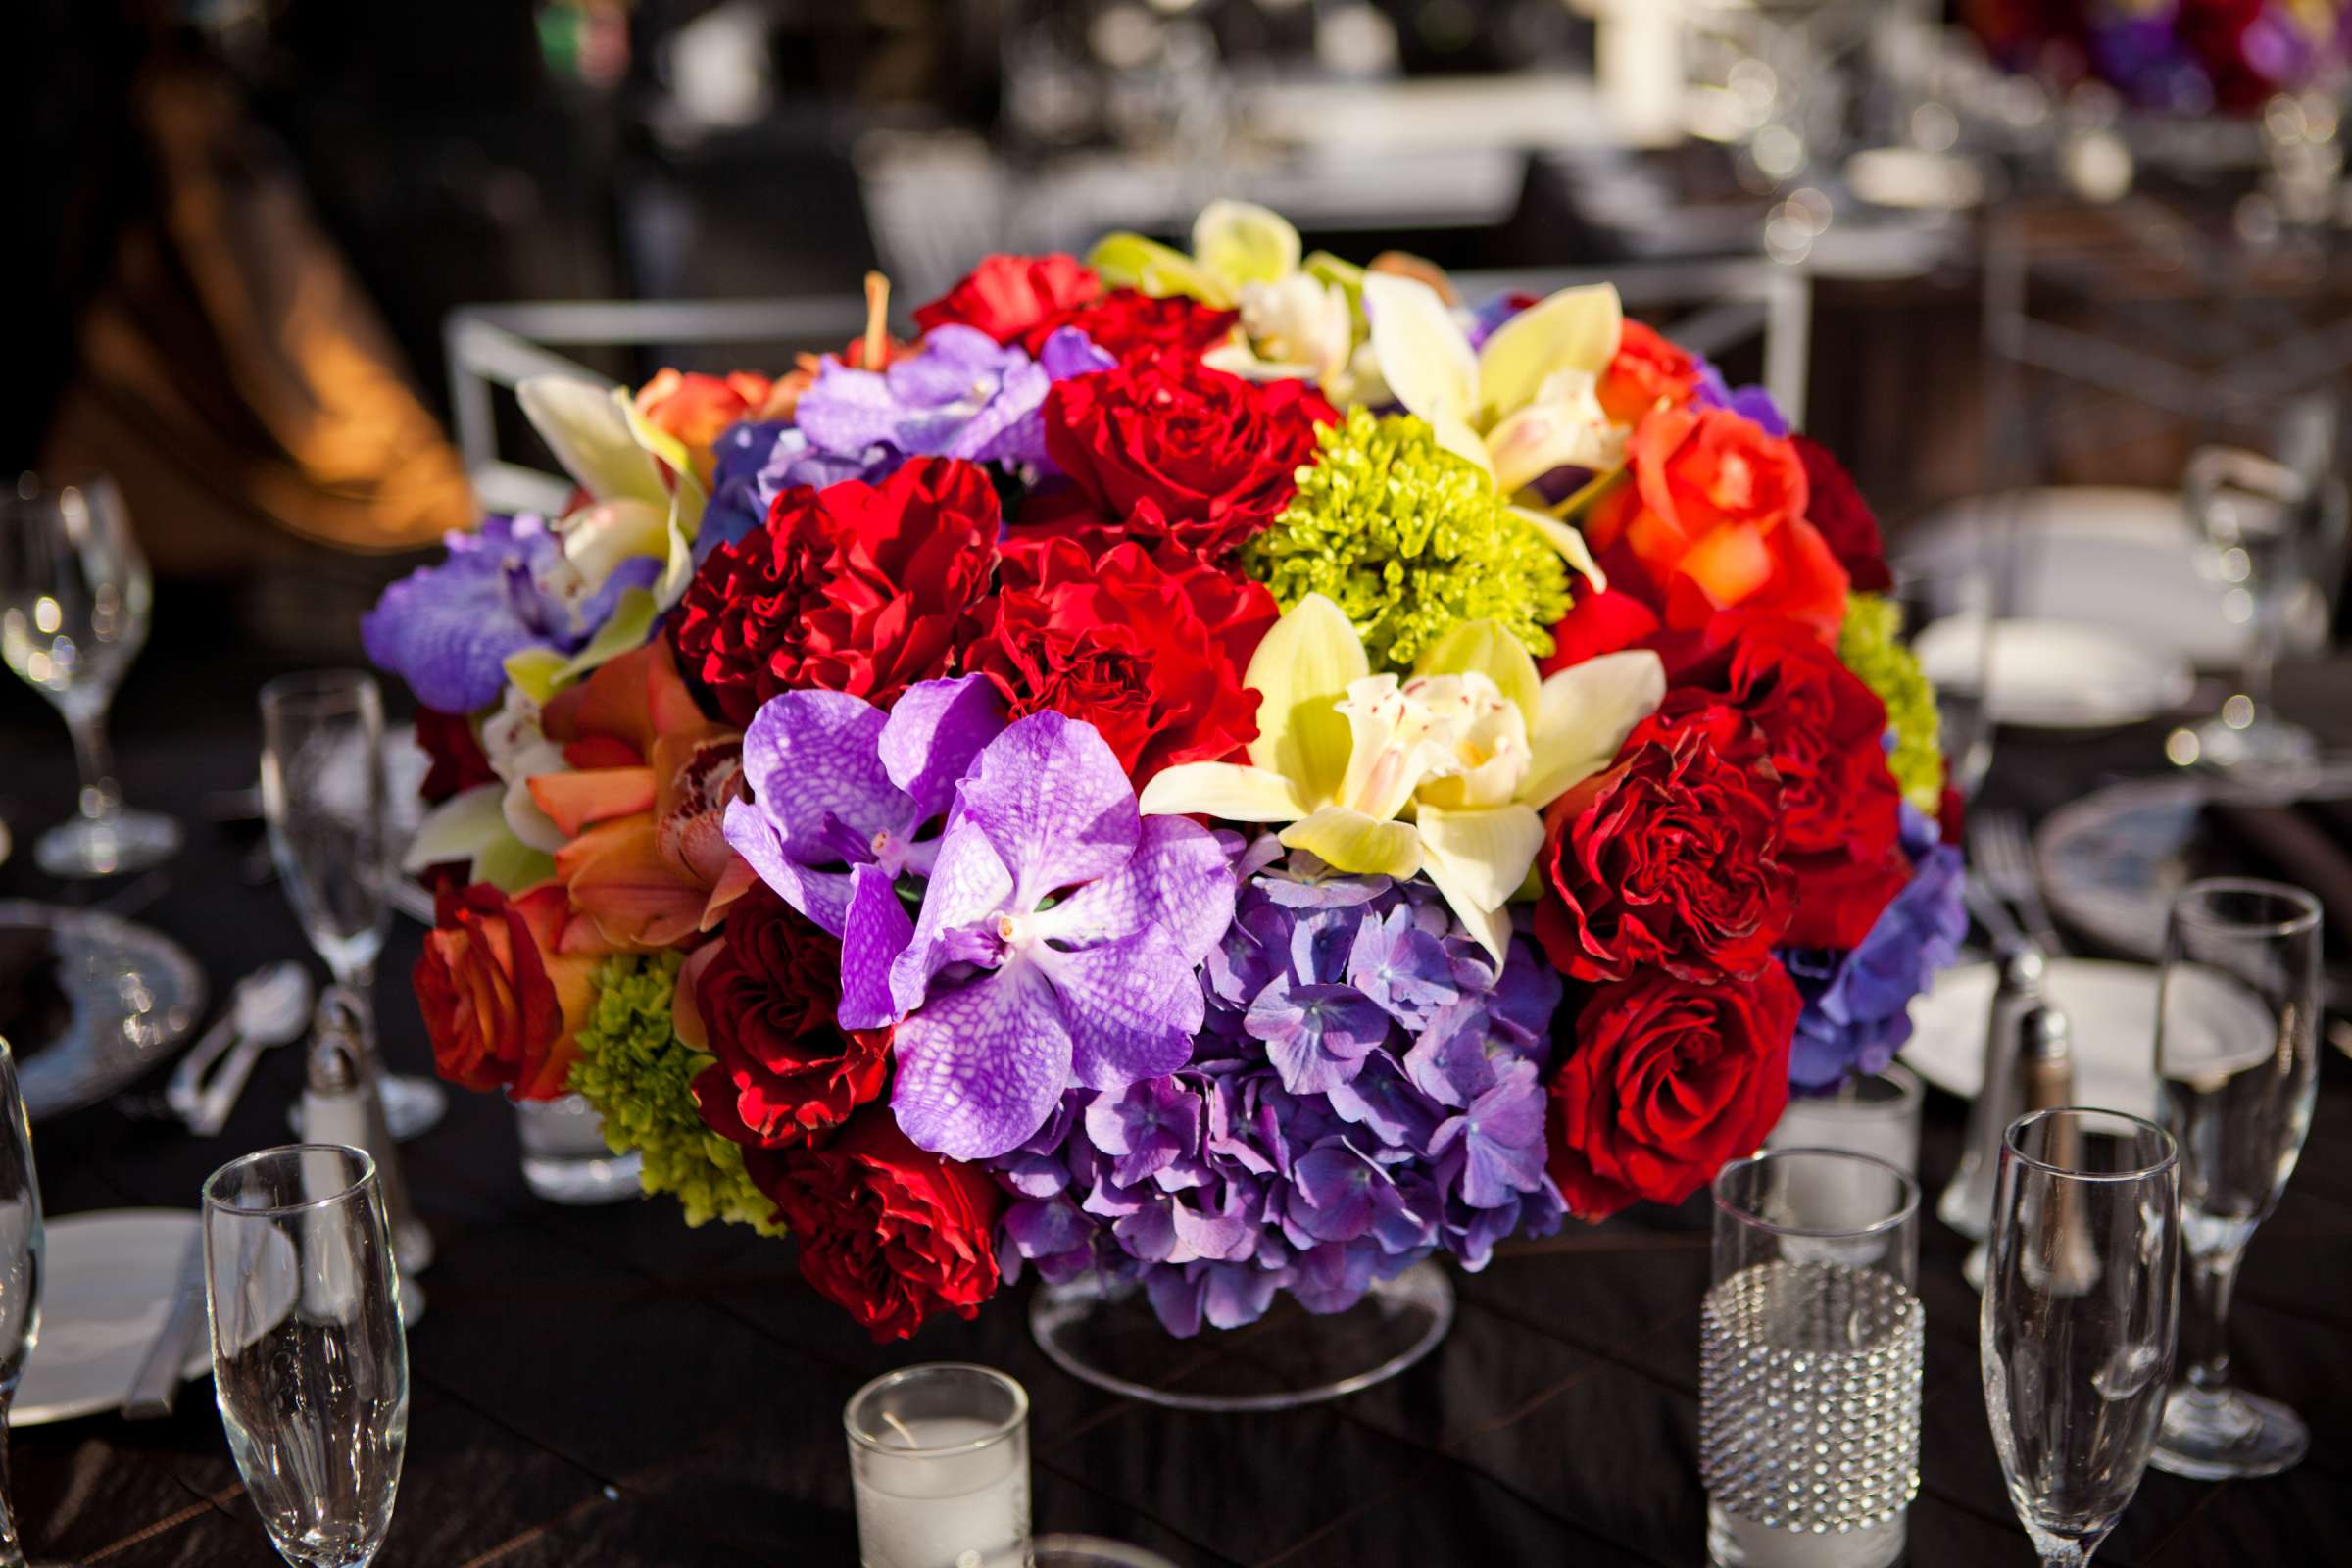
1409 541
639 1075
1869 644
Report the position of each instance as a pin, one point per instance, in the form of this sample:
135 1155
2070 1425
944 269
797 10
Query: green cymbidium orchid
1445 772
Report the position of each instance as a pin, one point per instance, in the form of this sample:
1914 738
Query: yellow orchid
1524 404
1445 772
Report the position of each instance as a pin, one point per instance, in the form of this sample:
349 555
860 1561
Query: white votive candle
939 1462
1737 1543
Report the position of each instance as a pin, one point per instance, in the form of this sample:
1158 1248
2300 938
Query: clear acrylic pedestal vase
565 1156
1105 1332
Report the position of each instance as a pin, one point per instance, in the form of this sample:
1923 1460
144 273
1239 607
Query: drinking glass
1810 1350
19 1273
2077 1330
2262 521
73 600
310 1361
2238 1013
1872 1113
323 796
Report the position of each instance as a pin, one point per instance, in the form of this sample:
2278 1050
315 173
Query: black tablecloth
604 1386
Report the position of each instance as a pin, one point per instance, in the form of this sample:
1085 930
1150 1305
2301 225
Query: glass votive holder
1877 1114
1811 1340
1080 1551
939 1463
565 1156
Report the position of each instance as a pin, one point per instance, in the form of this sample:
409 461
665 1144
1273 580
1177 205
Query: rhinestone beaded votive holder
1809 1376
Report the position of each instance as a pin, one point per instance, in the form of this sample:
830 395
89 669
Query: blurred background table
606 1386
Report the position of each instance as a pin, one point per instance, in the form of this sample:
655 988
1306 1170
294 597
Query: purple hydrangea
758 461
1857 1003
1364 1090
449 628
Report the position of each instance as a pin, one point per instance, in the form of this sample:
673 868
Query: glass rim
1905 1182
1010 1425
278 1151
2171 1146
31 485
342 685
2306 904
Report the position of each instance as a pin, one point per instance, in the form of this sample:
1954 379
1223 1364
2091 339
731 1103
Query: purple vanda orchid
961 396
1059 940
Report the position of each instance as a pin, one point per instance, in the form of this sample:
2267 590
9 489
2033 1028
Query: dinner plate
134 994
106 1285
2111 1015
2058 674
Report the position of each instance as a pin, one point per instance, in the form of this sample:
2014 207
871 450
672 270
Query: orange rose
697 409
504 986
1646 372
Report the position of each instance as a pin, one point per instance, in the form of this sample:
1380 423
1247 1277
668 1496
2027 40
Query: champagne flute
323 796
2260 518
310 1359
73 600
20 1274
2079 1318
2237 1073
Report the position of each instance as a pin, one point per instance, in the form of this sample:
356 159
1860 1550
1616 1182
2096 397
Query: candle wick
890 1418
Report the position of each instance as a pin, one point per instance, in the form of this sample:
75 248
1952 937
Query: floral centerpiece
1233 771
2187 57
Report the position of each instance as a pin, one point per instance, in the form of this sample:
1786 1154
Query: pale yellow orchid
1445 773
1524 404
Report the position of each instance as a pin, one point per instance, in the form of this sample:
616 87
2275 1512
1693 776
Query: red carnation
1130 324
768 999
857 588
1014 299
1151 656
1668 1082
458 761
1216 456
1821 730
888 1232
1838 512
1670 859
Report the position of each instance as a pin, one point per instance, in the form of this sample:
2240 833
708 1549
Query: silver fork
1997 845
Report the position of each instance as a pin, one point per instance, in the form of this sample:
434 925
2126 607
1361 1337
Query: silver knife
161 1373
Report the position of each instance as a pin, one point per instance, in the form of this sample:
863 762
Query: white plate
106 1285
2109 1010
2058 674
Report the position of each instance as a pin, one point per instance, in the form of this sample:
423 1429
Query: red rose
1014 299
857 588
1647 371
1823 731
458 761
1836 511
1129 324
1669 859
1152 658
503 1001
768 1000
889 1231
1667 1083
1216 454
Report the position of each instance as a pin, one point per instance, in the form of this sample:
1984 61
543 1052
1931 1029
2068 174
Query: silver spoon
268 1008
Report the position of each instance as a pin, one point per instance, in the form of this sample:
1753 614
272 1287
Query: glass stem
12 1550
96 758
2205 1319
2262 656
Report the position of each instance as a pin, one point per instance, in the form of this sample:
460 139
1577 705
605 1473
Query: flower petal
1179 880
1055 804
979 1069
1478 860
1484 648
1241 242
459 828
1574 329
1226 790
934 732
874 931
1130 261
590 436
821 896
1124 1006
1301 670
1349 841
1425 356
1538 437
1584 714
1569 541
968 884
813 755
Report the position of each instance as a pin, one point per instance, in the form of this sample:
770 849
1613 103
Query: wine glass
2261 519
73 600
1949 615
2238 1072
19 1273
323 796
2077 1330
310 1359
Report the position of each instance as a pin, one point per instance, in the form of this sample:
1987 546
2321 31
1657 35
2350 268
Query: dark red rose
1665 1084
857 588
1152 658
1014 299
1216 454
1823 732
785 1071
459 764
1669 859
1838 512
888 1232
504 986
1129 324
